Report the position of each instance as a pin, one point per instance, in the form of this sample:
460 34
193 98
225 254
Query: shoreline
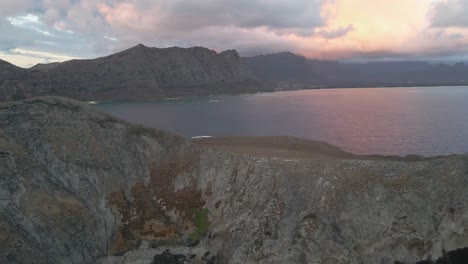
172 98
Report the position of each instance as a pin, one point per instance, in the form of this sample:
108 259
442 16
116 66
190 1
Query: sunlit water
393 121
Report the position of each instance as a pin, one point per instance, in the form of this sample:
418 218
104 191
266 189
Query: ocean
427 121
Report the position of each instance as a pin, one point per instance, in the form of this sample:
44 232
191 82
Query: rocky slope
80 186
137 73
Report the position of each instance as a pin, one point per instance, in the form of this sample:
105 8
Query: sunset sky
34 31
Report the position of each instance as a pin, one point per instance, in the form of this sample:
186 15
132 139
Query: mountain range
290 68
137 73
147 73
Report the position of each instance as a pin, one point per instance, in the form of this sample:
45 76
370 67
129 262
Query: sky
44 31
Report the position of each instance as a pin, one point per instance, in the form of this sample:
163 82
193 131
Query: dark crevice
458 256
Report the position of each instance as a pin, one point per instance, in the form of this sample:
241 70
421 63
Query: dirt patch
283 147
154 211
162 175
276 147
53 207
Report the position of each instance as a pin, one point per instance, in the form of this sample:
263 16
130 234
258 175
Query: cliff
137 73
80 186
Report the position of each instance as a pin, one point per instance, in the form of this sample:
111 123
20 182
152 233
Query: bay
426 121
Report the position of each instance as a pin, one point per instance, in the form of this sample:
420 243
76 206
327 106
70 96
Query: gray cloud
163 16
13 7
451 13
30 33
242 24
293 14
76 15
90 28
101 27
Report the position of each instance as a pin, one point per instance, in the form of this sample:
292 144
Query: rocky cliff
80 186
137 73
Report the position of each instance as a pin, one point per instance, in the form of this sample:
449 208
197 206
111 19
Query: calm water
427 121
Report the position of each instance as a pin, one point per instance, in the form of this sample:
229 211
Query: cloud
183 16
111 25
31 33
336 32
14 7
450 13
28 58
327 29
217 24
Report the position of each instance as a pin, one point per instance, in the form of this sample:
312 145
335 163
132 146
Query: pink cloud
328 29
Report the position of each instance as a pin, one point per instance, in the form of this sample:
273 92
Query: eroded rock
80 186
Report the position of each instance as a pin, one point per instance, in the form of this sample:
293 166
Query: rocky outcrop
137 73
80 186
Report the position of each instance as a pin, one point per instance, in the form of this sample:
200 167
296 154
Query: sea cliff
80 186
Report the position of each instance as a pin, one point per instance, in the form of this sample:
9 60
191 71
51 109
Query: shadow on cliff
458 256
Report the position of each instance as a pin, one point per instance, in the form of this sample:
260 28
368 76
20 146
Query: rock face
137 73
80 186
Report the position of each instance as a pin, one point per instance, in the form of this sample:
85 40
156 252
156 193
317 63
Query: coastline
172 98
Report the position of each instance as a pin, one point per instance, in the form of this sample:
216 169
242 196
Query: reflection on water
427 121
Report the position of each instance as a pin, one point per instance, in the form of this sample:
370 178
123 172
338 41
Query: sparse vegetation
201 222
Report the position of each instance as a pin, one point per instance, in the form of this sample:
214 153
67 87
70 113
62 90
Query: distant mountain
145 73
137 73
8 68
286 67
9 71
45 67
11 79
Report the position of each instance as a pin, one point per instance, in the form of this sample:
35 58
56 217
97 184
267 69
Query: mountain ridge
139 72
276 67
142 72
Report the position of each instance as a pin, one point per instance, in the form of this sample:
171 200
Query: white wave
201 137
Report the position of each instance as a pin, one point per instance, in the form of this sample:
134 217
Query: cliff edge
80 186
